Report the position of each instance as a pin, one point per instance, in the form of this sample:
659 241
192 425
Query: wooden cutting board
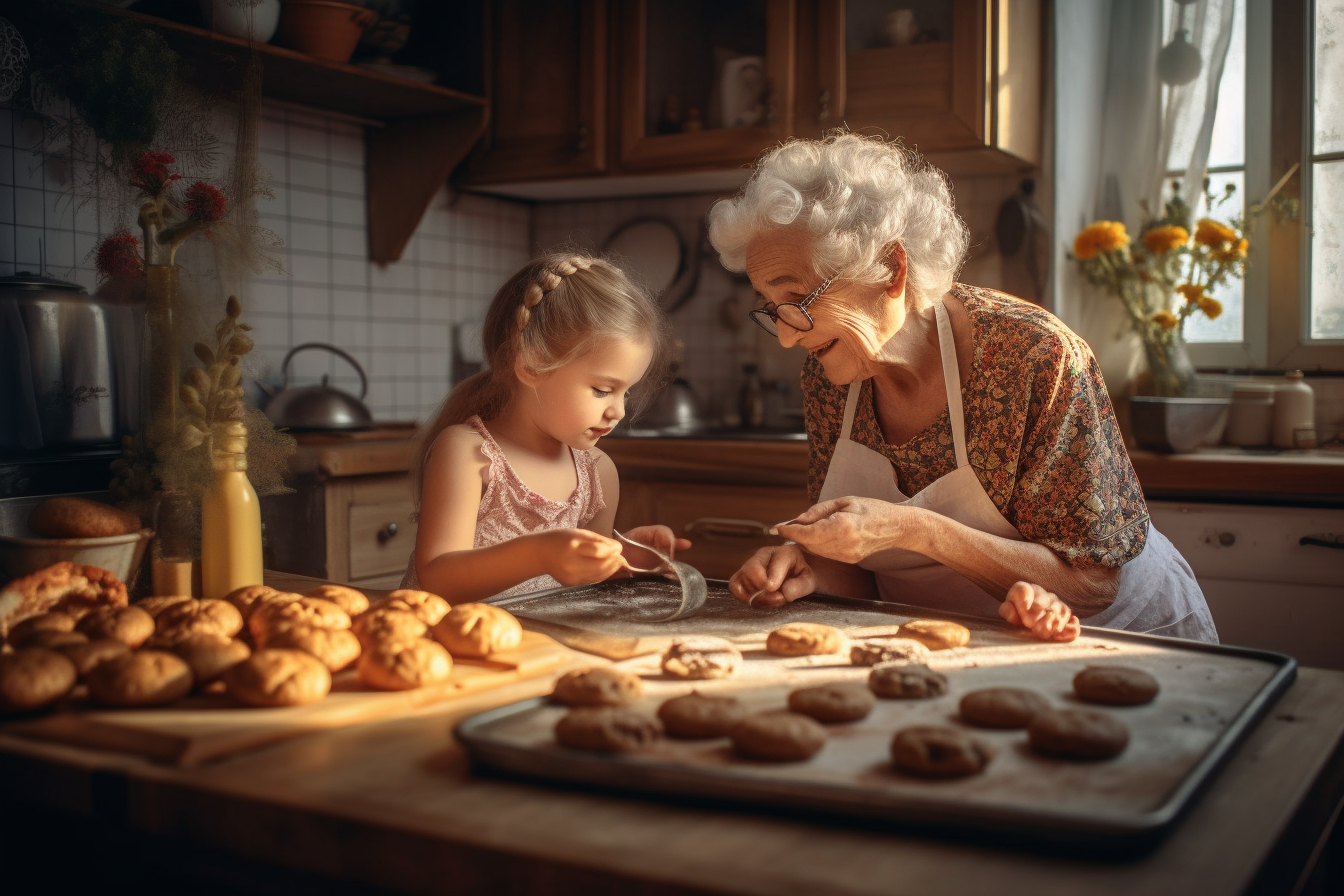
207 727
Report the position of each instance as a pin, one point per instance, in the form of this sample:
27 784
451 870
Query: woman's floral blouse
1040 433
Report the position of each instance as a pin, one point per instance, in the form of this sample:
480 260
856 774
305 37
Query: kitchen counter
394 806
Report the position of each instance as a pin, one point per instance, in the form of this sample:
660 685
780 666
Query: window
1281 103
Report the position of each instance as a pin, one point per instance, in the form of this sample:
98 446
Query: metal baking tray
1211 697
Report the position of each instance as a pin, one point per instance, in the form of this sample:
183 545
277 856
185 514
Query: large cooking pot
70 363
322 407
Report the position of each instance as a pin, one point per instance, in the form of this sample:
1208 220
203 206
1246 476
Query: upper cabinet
592 98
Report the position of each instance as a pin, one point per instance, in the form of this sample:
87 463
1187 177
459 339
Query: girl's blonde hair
558 308
855 197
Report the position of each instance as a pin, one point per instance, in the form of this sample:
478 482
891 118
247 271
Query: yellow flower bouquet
1166 277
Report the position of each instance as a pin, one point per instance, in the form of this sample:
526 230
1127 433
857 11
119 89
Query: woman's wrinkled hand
773 577
1040 612
580 557
848 529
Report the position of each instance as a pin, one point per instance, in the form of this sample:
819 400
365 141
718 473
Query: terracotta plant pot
323 29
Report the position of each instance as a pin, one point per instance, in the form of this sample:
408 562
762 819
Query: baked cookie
158 603
477 630
385 624
140 678
189 617
1077 734
701 657
888 650
696 715
906 681
80 518
210 655
53 640
278 677
272 617
337 648
608 729
430 608
351 600
404 665
130 625
88 654
836 701
33 677
1115 685
778 736
936 751
74 588
805 639
1002 707
51 621
936 634
246 598
598 686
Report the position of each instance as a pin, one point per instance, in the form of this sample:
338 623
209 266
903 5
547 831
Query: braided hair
558 308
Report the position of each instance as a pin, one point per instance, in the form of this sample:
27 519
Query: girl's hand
1039 611
773 577
660 538
849 529
578 556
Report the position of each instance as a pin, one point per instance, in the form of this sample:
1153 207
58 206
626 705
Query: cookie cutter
694 591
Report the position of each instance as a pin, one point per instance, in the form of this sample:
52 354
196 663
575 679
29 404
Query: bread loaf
80 518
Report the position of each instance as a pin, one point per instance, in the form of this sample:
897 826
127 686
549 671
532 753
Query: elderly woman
964 455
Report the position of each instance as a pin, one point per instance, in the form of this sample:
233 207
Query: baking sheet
1210 698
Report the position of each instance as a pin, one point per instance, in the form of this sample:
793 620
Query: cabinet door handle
1323 541
581 140
387 533
711 526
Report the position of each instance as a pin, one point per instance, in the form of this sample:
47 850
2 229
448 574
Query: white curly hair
856 196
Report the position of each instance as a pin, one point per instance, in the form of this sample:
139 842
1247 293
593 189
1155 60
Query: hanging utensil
694 590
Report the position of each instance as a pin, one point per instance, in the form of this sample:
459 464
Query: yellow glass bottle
230 518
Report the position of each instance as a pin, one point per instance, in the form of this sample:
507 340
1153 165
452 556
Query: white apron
1158 593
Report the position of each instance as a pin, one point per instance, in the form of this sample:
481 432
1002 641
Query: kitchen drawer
381 538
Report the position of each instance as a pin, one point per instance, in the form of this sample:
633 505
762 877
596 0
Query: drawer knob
1227 539
387 533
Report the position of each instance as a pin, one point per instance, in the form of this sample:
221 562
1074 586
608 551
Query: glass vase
1169 366
159 370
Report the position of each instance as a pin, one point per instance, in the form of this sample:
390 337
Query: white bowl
22 552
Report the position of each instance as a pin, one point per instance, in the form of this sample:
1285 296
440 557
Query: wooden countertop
394 805
1313 477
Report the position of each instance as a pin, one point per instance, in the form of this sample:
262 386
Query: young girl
512 493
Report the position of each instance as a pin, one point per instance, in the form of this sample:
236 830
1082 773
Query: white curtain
1146 128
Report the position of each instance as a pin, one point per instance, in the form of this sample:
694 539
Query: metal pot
322 407
71 365
675 409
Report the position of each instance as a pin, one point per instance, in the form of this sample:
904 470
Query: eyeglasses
792 313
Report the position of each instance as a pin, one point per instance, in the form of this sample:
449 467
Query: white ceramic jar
247 19
1294 412
1250 417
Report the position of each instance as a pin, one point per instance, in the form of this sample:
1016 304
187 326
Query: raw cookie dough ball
386 624
278 677
701 657
598 686
33 677
888 650
1115 685
936 634
805 639
607 729
696 715
50 621
429 607
140 678
477 630
837 701
53 640
88 654
130 625
337 648
1002 707
1077 734
906 681
211 615
249 597
936 751
778 736
351 600
210 655
404 665
269 619
157 604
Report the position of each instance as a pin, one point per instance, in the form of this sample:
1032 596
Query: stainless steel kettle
322 407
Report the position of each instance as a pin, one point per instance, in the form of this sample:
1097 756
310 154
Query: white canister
1250 417
1294 412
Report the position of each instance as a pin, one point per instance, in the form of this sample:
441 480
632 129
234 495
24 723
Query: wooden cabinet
748 74
369 530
